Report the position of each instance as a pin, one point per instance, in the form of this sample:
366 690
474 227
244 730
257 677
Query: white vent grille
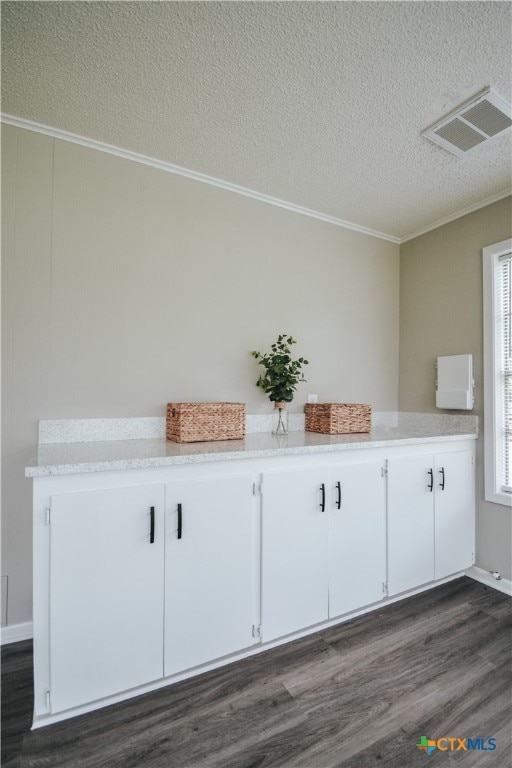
483 117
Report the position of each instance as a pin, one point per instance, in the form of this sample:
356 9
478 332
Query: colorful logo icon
427 745
455 744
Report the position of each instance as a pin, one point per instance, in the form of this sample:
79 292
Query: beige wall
125 287
441 314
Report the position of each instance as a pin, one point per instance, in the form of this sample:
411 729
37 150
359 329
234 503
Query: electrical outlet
312 398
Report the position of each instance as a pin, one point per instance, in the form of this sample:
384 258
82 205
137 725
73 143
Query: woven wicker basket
338 418
198 422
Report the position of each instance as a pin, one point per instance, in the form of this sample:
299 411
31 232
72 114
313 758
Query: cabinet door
106 587
357 537
210 570
410 523
294 551
454 512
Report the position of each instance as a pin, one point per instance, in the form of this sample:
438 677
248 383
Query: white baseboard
17 632
478 574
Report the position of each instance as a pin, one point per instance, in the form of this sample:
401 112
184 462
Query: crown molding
458 215
126 154
161 165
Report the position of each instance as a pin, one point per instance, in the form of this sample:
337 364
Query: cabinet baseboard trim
484 577
16 632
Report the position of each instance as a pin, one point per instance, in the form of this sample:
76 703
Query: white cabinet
106 593
143 575
131 602
357 537
454 522
430 518
323 544
294 569
410 523
210 570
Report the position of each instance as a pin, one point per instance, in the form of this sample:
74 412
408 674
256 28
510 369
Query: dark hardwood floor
355 696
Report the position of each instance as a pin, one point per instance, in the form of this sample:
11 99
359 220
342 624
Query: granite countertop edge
80 458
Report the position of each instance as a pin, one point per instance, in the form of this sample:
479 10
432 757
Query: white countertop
77 458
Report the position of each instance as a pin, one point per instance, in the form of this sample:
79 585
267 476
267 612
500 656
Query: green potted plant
282 374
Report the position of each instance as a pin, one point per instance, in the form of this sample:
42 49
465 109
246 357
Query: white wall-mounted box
455 382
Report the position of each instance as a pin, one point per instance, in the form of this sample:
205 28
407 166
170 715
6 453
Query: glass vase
280 419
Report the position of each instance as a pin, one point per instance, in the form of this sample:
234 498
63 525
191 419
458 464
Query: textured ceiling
320 104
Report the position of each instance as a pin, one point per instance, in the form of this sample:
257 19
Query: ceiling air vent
486 115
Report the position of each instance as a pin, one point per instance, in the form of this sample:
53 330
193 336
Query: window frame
493 386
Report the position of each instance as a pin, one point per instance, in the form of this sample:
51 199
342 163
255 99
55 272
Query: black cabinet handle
151 525
322 503
338 500
180 521
441 484
431 486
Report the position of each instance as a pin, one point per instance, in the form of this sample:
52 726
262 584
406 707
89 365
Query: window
497 263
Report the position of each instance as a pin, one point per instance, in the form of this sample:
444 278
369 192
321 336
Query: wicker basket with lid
200 422
338 418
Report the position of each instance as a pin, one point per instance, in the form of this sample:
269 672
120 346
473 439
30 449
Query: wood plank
17 698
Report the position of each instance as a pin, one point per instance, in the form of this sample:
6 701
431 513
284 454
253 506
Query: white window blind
505 311
497 322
